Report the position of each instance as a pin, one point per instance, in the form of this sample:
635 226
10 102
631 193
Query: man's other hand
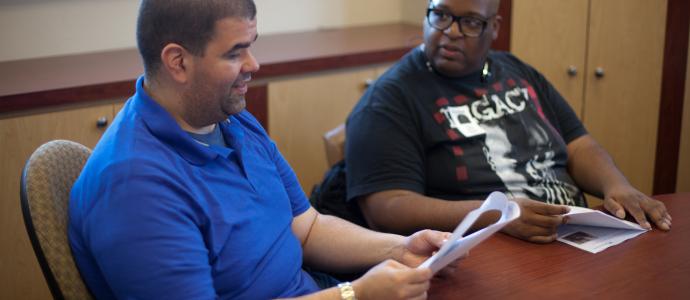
538 221
423 244
626 198
393 280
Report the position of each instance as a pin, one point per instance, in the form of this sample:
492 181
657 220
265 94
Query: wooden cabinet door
621 111
302 110
20 274
551 35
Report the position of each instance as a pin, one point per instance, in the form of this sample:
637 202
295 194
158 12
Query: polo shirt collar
164 127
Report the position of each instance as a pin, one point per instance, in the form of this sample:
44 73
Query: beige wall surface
41 28
413 11
38 28
683 181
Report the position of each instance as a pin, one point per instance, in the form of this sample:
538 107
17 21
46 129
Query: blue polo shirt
157 215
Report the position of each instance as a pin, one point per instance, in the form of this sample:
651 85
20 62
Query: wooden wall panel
257 103
683 182
672 86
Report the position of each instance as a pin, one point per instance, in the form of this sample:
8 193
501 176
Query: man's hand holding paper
538 221
422 245
626 198
461 242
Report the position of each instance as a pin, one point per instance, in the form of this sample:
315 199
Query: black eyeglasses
470 26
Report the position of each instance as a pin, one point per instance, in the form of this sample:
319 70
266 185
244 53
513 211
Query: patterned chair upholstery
46 182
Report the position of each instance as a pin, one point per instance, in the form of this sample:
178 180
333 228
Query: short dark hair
190 23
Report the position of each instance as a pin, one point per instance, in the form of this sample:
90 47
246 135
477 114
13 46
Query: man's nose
454 31
251 65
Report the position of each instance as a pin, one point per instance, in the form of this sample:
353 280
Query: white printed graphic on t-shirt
461 120
496 149
492 107
543 181
535 177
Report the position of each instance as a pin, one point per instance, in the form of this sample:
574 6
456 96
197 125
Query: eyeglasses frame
456 19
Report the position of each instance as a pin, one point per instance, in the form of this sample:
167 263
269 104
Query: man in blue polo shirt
186 197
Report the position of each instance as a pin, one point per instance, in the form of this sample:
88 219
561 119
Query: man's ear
496 26
176 60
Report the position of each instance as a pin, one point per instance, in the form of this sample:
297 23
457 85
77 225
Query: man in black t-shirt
454 121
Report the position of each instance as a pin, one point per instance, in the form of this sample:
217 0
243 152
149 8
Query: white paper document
594 231
458 244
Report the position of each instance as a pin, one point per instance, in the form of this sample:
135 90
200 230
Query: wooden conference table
654 265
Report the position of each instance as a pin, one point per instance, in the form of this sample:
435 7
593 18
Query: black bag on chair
330 196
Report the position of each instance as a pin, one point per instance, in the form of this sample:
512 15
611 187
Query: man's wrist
347 292
399 248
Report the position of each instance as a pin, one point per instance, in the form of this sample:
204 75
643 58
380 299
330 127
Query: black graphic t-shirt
462 138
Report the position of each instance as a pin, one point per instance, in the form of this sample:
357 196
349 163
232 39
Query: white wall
40 28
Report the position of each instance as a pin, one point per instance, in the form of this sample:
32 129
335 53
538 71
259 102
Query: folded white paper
457 245
594 231
585 216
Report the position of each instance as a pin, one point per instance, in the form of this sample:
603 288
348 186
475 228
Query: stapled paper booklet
458 244
593 230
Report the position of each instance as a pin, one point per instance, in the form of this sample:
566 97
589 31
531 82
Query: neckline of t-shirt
472 78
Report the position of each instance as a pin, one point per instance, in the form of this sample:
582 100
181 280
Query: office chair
46 182
334 140
329 196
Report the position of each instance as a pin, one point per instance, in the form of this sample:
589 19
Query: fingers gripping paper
459 244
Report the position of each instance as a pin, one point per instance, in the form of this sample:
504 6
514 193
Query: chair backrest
334 141
46 183
330 196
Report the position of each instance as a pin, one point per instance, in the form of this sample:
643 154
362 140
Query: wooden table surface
654 265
